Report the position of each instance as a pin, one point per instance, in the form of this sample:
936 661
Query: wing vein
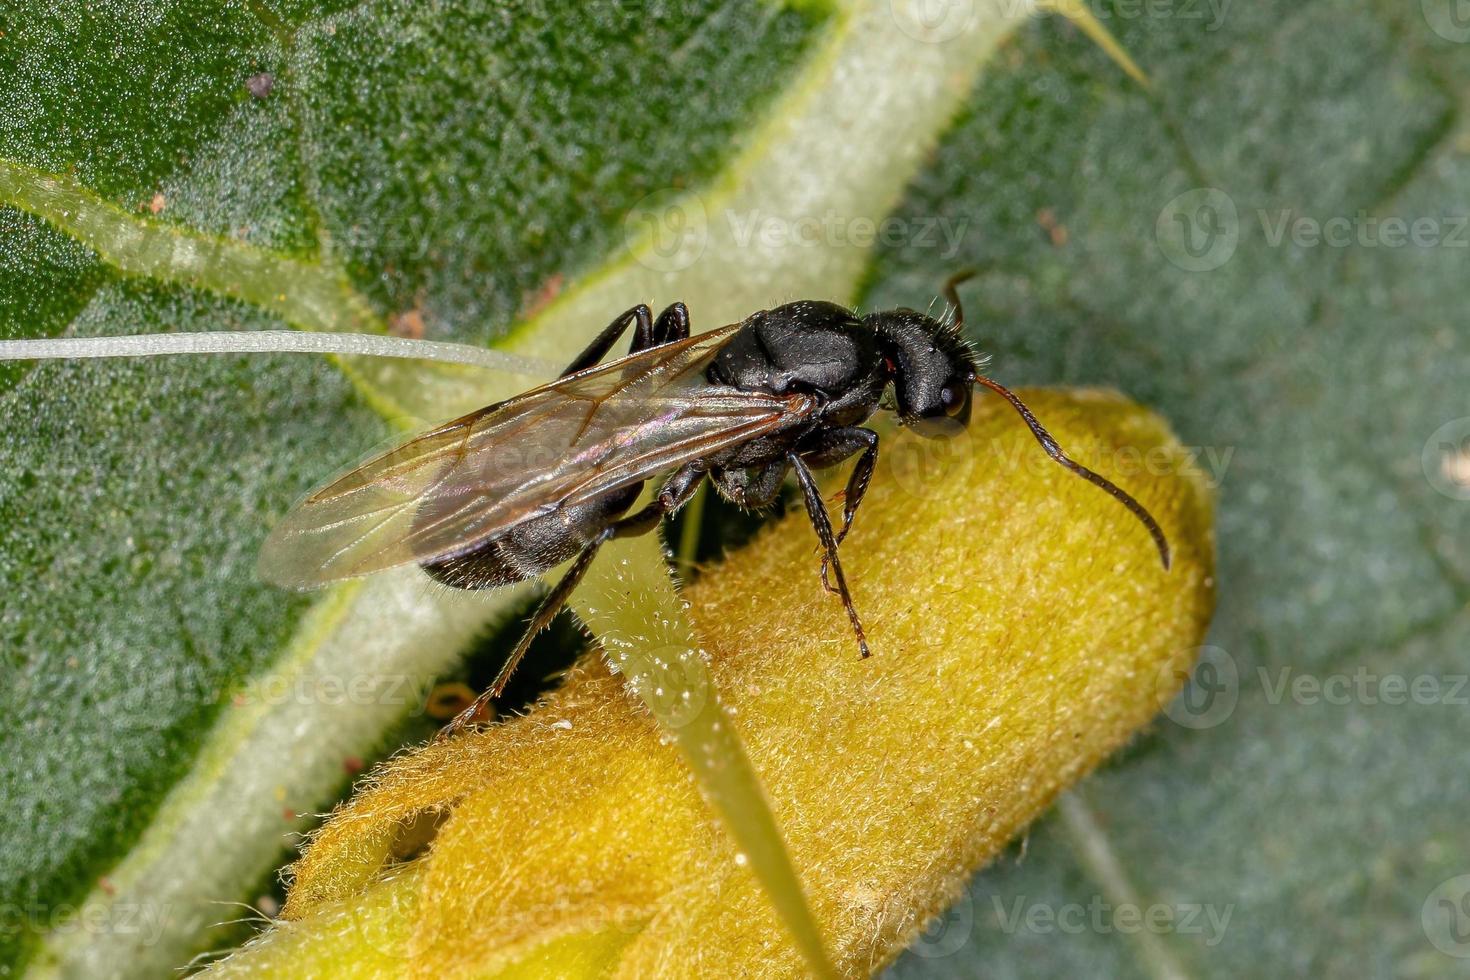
472 479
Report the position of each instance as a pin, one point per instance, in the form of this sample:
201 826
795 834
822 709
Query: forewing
446 491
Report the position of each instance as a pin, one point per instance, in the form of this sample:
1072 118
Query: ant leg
835 446
675 493
672 324
822 524
642 318
857 483
832 448
544 614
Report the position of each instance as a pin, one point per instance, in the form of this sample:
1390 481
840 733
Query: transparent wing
446 491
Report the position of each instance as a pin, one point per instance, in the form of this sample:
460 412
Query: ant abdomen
530 548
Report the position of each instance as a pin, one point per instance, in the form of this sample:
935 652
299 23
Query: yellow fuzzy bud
1022 629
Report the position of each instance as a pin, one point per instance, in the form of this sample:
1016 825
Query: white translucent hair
269 342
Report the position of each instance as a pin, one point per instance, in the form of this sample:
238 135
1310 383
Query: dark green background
1326 370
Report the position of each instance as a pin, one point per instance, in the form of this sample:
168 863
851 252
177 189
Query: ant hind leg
672 324
640 317
548 609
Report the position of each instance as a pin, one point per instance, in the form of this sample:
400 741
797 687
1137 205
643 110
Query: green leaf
169 718
1316 827
269 758
462 168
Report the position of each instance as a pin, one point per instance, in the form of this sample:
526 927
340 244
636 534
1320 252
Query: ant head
934 369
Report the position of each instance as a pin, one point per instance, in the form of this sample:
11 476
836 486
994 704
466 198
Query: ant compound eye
952 397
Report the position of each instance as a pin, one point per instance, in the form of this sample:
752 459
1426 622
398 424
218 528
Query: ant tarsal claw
467 720
826 580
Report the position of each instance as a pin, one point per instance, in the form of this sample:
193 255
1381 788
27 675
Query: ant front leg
831 448
822 524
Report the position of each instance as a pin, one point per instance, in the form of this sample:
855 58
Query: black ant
515 489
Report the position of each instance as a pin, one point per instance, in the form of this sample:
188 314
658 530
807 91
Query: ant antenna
1055 452
952 294
268 342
